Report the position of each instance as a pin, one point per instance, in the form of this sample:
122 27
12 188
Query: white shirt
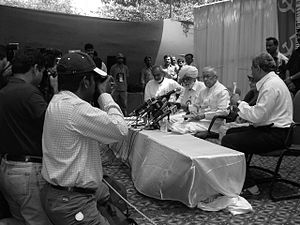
274 103
154 89
189 96
214 101
72 132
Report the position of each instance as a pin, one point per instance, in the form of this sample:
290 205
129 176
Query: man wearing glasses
188 76
213 99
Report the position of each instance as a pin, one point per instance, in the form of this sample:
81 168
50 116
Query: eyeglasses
187 79
251 79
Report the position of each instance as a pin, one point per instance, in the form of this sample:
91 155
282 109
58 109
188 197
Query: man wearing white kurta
188 75
160 85
212 100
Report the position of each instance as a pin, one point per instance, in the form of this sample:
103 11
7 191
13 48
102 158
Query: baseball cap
188 71
120 55
78 63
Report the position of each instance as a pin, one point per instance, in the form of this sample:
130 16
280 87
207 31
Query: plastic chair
292 148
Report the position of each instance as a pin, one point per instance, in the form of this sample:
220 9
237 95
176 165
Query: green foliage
63 6
129 10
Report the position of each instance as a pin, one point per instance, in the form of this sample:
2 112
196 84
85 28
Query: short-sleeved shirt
120 73
22 110
146 75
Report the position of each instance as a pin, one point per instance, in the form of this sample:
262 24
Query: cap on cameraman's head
188 71
78 63
120 56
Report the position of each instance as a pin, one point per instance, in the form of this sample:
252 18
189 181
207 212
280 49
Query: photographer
5 67
48 85
22 110
73 129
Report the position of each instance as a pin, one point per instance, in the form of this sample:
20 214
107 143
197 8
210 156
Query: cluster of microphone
155 109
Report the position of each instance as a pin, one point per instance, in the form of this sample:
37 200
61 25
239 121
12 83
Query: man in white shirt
213 99
160 85
73 131
188 76
280 59
169 68
271 116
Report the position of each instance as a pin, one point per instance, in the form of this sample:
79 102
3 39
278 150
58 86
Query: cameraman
48 85
5 67
73 129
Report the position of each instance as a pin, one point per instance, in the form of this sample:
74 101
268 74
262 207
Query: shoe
250 191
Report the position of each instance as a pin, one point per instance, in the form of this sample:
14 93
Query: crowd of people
57 111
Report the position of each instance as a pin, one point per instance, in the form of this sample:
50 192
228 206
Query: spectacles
251 79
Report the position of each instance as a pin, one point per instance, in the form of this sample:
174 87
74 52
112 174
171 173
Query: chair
210 134
292 148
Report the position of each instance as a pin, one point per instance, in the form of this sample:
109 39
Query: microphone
142 108
163 113
168 94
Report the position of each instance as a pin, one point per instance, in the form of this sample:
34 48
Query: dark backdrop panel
46 29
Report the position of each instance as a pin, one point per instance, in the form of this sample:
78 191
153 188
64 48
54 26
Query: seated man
271 116
188 75
160 85
212 100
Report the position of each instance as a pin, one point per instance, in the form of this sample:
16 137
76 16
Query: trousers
64 207
20 183
255 139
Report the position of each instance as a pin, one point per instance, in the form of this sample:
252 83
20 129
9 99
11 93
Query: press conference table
170 166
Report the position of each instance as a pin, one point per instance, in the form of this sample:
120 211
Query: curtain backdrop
287 26
229 34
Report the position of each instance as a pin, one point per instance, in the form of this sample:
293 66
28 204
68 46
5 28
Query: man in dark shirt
22 109
293 69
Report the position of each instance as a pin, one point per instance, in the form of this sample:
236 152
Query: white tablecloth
178 167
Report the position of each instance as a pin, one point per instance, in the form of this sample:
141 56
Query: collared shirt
22 110
274 104
214 101
170 71
189 96
280 59
73 132
146 75
154 89
120 73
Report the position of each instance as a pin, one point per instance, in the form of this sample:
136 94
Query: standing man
22 110
120 73
280 59
293 69
189 59
89 49
146 73
169 68
160 85
72 132
5 67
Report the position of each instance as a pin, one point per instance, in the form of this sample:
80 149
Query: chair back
296 104
296 118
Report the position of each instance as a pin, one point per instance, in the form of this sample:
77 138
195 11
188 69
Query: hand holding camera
105 85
